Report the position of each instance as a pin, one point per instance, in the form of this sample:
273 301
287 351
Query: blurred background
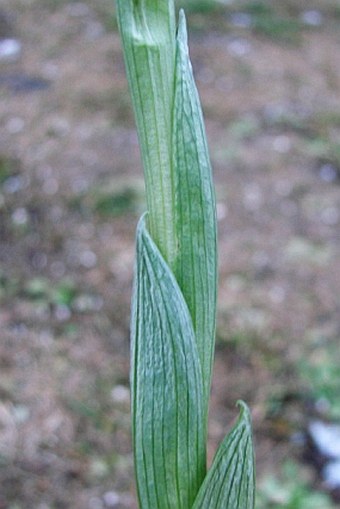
71 192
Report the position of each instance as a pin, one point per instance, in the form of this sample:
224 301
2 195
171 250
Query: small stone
328 173
86 303
10 49
99 468
20 216
301 250
13 184
88 259
326 438
252 197
239 47
62 313
111 498
120 394
15 125
312 17
21 413
331 474
221 211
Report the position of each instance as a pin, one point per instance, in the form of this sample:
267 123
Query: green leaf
196 264
166 382
148 34
230 482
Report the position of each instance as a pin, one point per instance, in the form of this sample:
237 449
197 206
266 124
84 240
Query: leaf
166 384
230 482
148 34
196 264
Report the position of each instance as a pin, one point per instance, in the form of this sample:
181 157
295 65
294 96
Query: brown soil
70 195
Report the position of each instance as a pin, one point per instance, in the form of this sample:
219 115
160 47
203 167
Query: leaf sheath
147 29
166 383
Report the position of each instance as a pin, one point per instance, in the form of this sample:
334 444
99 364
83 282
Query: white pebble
120 394
239 47
331 474
21 413
20 216
13 184
88 259
312 18
15 125
252 197
10 49
221 211
326 438
111 499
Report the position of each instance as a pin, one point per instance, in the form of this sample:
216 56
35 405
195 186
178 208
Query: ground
71 192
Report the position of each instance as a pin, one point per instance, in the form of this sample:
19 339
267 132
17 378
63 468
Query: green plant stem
174 300
179 190
148 31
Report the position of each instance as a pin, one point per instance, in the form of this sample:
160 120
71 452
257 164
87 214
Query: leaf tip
245 414
182 29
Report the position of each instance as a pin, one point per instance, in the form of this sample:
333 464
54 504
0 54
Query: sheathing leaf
230 482
148 34
196 263
167 389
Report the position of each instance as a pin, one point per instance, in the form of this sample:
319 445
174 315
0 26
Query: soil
71 192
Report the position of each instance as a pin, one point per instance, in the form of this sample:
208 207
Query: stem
148 30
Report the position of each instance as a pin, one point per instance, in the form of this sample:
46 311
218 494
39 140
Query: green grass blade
148 34
167 390
230 482
196 264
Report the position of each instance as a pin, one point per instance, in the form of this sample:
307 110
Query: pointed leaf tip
245 414
230 482
182 32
